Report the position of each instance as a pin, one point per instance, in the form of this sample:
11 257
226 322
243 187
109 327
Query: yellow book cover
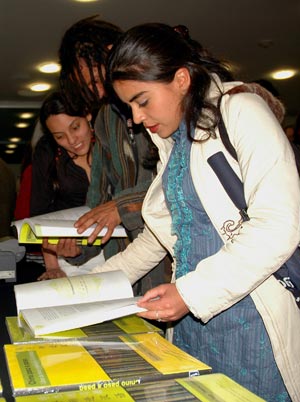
123 361
218 387
131 324
55 225
205 388
109 394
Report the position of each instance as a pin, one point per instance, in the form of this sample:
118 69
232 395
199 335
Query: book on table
73 302
55 225
213 387
122 361
131 324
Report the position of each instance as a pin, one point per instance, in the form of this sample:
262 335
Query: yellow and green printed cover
109 394
205 388
217 387
28 236
122 361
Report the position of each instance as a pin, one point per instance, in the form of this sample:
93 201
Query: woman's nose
137 115
71 139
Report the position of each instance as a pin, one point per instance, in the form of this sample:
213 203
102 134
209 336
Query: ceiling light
85 1
22 125
26 115
9 151
49 68
39 87
283 74
11 146
14 139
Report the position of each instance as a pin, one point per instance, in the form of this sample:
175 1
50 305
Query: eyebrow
62 132
137 96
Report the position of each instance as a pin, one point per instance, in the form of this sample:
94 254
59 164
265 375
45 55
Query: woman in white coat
224 302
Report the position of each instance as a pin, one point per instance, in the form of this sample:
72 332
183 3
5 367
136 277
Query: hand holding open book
73 302
55 225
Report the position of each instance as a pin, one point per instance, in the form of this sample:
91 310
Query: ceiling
256 36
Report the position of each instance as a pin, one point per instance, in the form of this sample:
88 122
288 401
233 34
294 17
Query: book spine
125 382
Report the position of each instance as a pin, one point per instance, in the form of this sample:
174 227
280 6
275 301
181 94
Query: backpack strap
232 184
288 274
224 134
274 104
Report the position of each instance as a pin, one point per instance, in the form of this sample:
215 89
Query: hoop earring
90 125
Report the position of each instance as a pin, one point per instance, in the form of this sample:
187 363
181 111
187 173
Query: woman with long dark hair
224 303
61 165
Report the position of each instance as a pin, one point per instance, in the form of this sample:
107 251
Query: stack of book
110 356
205 388
131 324
122 361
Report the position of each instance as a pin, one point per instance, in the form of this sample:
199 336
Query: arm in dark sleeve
42 192
129 206
114 169
87 252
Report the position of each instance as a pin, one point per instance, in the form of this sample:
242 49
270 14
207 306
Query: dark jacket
57 182
118 170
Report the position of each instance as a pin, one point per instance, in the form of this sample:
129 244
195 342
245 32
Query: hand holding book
55 225
103 215
73 302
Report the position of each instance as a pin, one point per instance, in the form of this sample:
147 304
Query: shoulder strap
224 134
274 104
232 184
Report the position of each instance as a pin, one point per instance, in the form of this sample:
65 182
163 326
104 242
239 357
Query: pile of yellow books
131 324
205 388
122 361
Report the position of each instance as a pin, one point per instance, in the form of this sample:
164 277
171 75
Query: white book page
60 318
76 289
61 224
58 228
71 214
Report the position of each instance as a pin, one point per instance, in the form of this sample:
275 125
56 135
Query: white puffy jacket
254 251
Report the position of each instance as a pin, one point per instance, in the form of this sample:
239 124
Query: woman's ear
89 120
183 79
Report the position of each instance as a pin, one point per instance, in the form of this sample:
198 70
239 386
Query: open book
73 302
58 224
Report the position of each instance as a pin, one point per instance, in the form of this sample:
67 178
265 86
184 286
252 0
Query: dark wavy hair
88 39
154 52
56 103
